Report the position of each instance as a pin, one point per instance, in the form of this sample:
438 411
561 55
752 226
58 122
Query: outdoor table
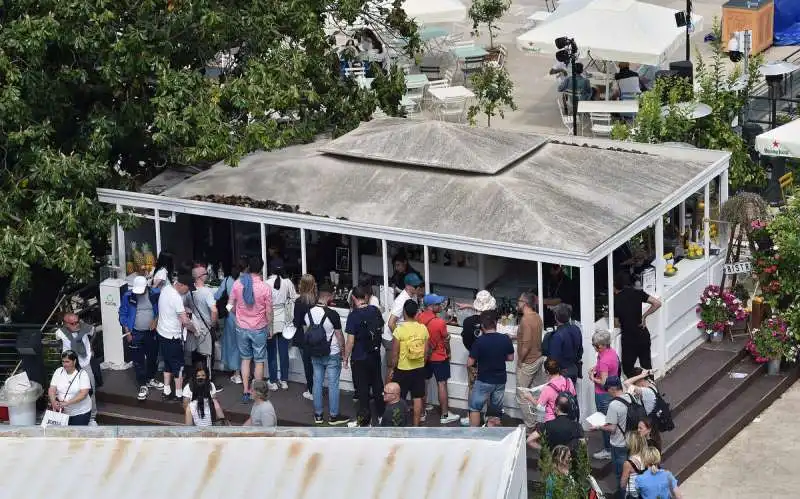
445 93
608 106
416 81
695 110
462 53
431 33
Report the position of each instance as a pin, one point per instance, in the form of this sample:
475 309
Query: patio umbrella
435 11
782 141
611 30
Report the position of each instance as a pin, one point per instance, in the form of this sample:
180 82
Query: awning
611 30
782 141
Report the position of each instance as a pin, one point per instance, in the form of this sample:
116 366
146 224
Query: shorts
483 392
172 353
438 368
412 381
252 344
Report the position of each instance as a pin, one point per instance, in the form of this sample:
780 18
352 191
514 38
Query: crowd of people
175 317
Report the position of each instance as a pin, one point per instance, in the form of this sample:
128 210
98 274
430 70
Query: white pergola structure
496 193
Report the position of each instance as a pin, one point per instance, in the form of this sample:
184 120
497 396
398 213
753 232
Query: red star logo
775 144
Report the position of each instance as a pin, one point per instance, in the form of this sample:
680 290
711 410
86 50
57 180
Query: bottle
220 272
209 272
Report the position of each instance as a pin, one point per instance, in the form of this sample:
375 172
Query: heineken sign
775 148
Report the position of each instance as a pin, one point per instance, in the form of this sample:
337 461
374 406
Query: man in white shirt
76 335
414 286
172 319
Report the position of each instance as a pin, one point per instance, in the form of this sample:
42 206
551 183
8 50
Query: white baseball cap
139 285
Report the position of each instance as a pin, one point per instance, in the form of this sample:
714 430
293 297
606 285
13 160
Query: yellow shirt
408 333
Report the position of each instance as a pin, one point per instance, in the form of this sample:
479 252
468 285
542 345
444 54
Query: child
262 413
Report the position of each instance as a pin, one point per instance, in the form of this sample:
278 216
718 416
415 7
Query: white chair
451 109
415 94
411 108
566 118
448 76
601 124
465 43
357 72
427 98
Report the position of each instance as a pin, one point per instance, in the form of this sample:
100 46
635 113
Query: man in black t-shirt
559 431
363 353
633 323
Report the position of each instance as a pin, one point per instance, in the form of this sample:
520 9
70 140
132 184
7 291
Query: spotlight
562 42
734 52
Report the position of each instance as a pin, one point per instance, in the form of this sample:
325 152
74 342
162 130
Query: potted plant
488 12
772 343
493 90
719 309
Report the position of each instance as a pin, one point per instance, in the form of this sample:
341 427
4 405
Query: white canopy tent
782 141
435 11
611 30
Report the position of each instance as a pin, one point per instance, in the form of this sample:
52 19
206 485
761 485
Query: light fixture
568 54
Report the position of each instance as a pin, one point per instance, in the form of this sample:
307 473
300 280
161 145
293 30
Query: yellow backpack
416 347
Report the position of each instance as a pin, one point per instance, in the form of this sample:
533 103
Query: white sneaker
449 418
236 379
272 386
602 455
428 407
307 395
284 385
92 423
155 384
464 421
143 391
423 416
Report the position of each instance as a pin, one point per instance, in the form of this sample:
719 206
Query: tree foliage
487 12
716 88
494 91
95 93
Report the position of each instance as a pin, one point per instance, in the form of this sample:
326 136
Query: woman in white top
165 267
69 390
634 465
283 297
203 410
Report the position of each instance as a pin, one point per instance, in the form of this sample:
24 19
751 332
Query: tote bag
53 418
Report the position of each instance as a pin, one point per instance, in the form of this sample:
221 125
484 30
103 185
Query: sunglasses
72 323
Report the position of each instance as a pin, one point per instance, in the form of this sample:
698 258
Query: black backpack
371 332
316 337
633 415
574 411
546 343
661 416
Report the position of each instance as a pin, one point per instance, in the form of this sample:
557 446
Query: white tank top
198 421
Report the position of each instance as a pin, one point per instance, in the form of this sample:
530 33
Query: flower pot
715 337
773 367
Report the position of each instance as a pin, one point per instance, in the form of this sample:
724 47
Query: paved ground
535 91
760 462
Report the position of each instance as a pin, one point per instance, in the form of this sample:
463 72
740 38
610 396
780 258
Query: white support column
611 329
264 270
157 222
303 262
587 319
426 267
540 289
682 217
481 272
113 239
354 259
660 263
723 188
658 347
722 229
121 246
707 227
386 292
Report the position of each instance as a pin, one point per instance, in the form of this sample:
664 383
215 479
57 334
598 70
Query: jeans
328 367
366 376
252 344
601 400
618 457
144 354
278 350
481 392
307 367
528 376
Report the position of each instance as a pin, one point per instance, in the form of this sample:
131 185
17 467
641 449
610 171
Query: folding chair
601 124
451 109
787 185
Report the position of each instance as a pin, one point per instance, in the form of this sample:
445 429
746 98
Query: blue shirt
358 321
490 352
655 485
582 85
565 346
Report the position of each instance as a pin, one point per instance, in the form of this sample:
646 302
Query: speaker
685 69
29 342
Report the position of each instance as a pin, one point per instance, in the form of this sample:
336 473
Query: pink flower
701 325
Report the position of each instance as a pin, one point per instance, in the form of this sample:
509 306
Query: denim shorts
252 343
483 392
172 353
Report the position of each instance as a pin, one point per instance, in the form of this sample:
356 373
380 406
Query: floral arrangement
719 308
773 341
766 263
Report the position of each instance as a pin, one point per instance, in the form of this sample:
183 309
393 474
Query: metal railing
759 104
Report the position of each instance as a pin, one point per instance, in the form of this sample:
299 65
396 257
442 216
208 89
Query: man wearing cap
412 284
438 364
172 319
616 419
471 330
76 335
138 315
406 365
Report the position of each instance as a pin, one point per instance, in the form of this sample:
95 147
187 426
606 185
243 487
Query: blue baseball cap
612 381
412 280
433 299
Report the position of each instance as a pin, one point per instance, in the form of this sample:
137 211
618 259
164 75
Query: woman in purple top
607 365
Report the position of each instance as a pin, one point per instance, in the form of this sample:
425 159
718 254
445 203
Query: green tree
105 94
487 12
716 88
494 91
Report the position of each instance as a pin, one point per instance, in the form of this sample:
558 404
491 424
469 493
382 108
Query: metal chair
432 72
451 109
566 117
471 66
787 185
427 98
356 72
601 124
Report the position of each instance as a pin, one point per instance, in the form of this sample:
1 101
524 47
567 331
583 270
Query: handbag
54 418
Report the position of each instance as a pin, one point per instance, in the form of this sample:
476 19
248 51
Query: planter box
737 16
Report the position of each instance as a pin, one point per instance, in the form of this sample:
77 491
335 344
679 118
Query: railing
759 104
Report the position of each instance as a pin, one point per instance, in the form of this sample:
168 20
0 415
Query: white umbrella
435 11
611 30
782 141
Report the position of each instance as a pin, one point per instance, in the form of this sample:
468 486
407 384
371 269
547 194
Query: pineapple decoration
138 258
130 265
149 259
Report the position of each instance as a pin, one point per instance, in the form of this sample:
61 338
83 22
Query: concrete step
727 422
114 414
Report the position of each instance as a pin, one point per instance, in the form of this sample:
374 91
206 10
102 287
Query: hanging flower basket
772 342
719 310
